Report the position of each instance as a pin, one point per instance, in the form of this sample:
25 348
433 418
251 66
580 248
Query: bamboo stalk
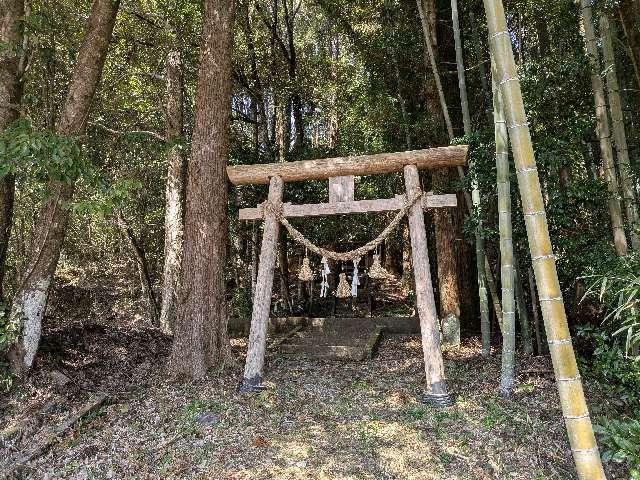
462 81
493 289
507 374
619 135
602 129
574 406
521 305
485 324
481 70
540 336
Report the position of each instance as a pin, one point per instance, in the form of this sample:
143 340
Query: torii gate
340 172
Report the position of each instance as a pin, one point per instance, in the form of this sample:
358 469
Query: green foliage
620 440
609 364
41 155
241 303
618 289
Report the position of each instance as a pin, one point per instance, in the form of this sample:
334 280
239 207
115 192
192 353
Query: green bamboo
603 131
485 324
574 406
521 305
619 135
507 374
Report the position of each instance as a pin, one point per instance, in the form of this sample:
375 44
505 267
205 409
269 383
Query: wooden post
341 189
252 380
436 386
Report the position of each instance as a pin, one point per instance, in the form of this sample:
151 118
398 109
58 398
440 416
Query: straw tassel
305 274
343 290
376 270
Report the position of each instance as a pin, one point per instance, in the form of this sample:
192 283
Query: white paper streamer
324 286
355 281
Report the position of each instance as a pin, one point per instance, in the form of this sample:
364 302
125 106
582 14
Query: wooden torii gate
340 172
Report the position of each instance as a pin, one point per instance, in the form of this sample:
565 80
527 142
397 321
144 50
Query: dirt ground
319 419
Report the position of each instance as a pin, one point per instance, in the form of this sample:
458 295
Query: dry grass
320 420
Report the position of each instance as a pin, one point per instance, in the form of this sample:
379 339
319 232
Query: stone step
339 339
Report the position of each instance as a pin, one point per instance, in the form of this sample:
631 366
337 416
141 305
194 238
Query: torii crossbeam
340 172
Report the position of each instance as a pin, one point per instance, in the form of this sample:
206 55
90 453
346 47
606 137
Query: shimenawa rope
276 210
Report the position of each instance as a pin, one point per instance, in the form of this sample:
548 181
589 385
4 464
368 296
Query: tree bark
619 135
446 243
11 33
200 338
603 131
31 298
174 192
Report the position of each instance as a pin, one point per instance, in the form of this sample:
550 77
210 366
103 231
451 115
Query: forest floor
319 419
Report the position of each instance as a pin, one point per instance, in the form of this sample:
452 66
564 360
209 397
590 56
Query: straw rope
276 210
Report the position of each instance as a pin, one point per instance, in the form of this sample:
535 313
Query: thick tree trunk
603 131
31 299
629 11
11 33
446 239
174 193
200 338
427 19
619 135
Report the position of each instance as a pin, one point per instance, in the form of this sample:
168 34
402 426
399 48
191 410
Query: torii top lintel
304 170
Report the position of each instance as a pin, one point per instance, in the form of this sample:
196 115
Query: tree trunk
507 375
174 192
572 400
146 283
31 299
254 256
619 135
447 255
629 11
602 128
283 260
429 34
332 131
200 339
11 33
